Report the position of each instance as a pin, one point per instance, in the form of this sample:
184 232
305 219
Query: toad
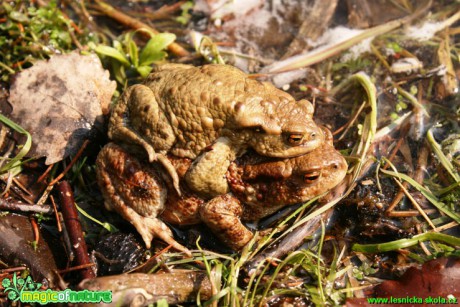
260 186
182 110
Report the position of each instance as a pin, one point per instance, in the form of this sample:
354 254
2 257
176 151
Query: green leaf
441 156
19 17
144 70
119 46
153 49
185 16
119 73
133 53
161 55
16 161
107 226
113 53
162 303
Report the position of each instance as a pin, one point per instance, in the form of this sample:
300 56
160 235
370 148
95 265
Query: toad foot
150 228
222 214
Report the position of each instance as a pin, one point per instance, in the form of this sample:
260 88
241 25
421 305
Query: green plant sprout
127 61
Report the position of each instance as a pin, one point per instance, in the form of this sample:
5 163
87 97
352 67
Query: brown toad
182 109
260 186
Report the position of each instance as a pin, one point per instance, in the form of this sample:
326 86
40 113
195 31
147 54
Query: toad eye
311 177
257 129
295 138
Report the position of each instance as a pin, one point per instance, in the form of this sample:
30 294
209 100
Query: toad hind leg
222 214
135 191
150 228
137 119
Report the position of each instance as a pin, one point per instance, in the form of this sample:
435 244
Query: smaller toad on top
182 110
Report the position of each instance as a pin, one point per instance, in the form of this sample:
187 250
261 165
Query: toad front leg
206 175
136 192
137 119
222 214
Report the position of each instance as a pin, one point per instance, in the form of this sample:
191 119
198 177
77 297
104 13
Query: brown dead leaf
15 248
435 283
59 101
438 277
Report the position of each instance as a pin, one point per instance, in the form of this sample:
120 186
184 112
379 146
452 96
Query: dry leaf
59 101
439 277
434 284
17 233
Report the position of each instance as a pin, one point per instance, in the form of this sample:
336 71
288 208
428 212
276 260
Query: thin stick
393 152
446 226
34 224
43 176
416 205
409 213
12 270
15 206
350 123
77 268
80 151
136 24
58 220
23 188
74 229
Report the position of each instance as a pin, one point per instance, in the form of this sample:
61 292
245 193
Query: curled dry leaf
59 101
16 249
435 283
439 277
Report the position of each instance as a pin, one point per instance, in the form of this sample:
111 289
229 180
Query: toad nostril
313 135
335 165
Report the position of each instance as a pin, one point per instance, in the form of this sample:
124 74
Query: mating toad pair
233 149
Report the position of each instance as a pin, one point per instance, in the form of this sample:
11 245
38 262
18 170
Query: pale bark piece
59 101
138 289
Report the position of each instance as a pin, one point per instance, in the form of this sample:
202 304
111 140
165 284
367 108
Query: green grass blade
442 158
109 227
427 193
24 149
403 243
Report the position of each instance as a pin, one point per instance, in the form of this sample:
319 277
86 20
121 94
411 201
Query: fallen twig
136 24
73 227
178 286
15 206
61 175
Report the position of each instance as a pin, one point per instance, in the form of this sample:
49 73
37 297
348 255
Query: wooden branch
73 226
136 24
178 286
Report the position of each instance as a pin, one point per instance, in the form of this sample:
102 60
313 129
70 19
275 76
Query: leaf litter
60 101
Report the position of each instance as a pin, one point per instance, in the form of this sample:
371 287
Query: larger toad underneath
260 186
182 110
